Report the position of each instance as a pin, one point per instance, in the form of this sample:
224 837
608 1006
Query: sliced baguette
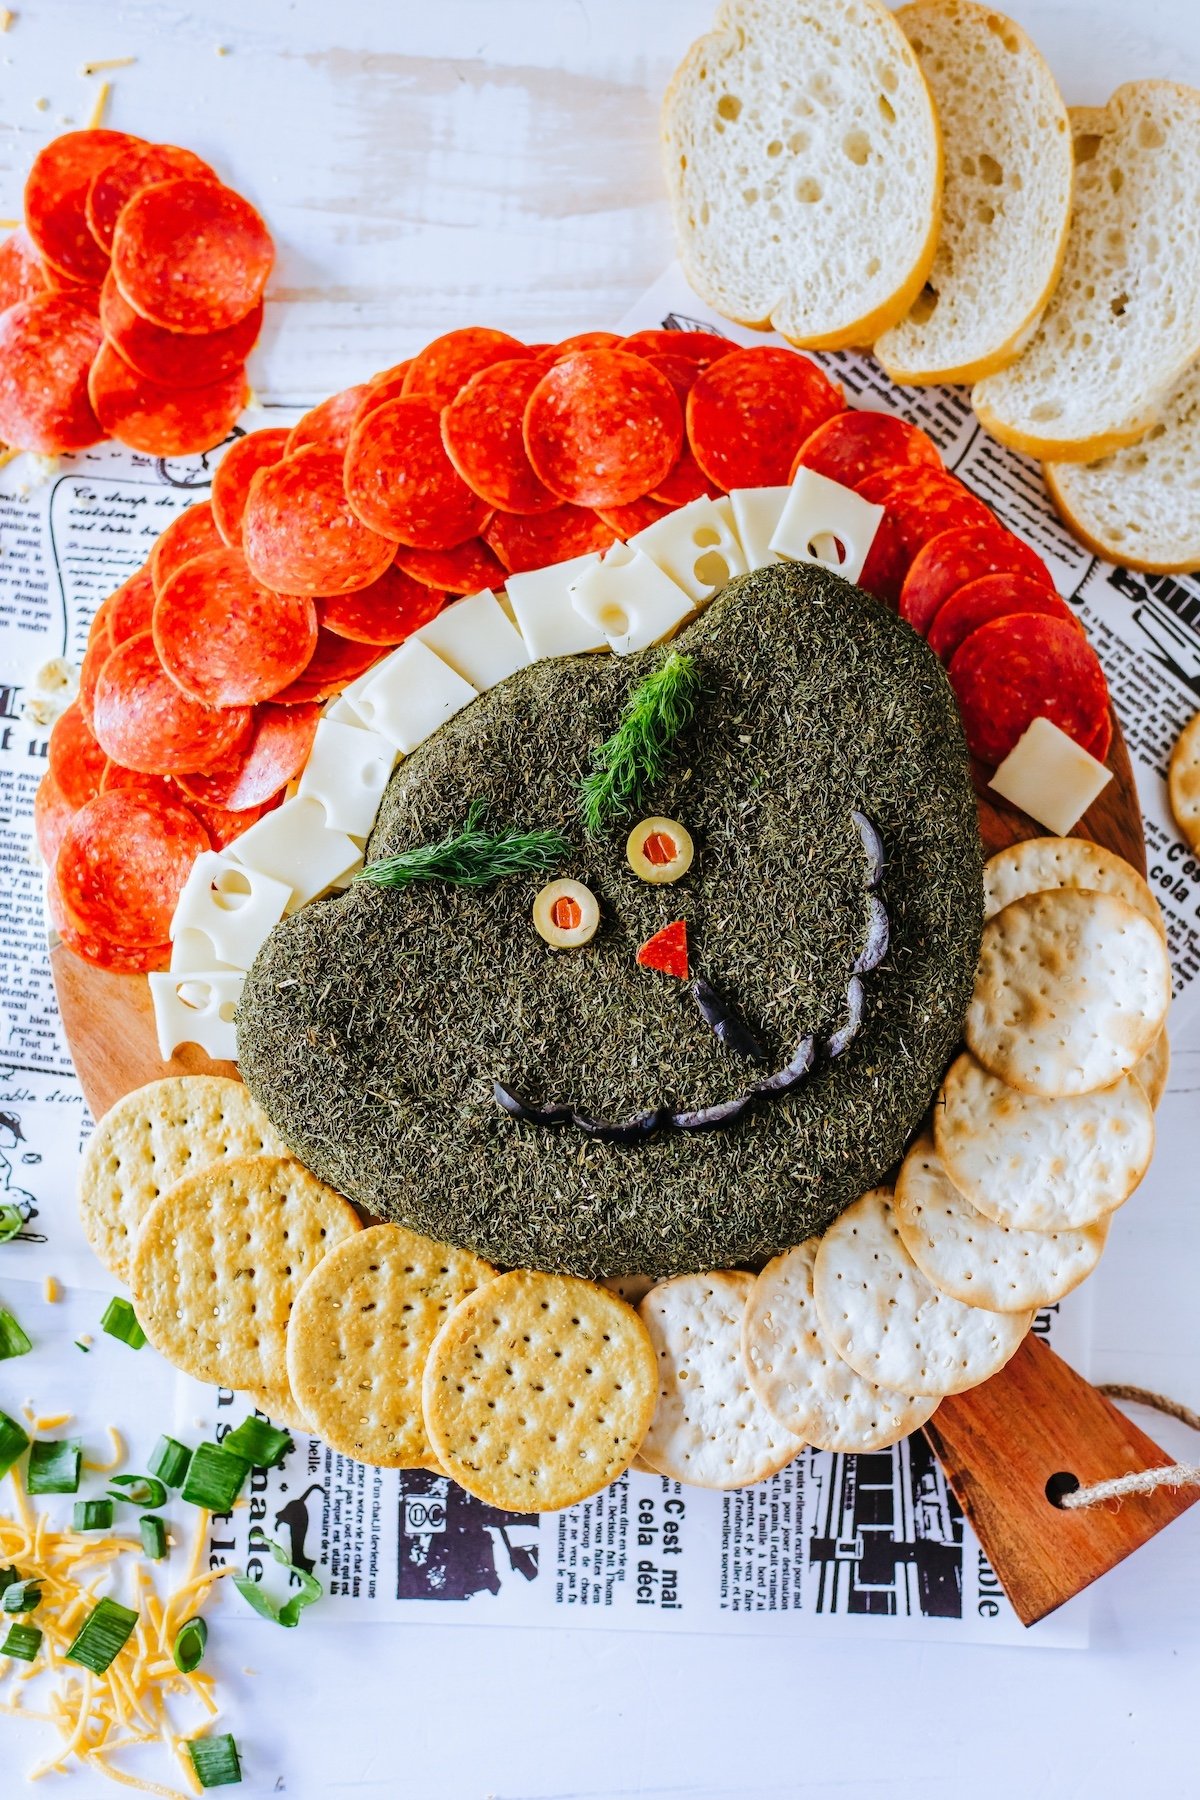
1123 324
1141 506
803 164
1006 196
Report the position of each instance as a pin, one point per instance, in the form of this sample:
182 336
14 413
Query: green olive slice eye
659 850
565 913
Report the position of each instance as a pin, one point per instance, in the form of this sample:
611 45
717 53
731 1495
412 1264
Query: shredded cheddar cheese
51 1290
117 1458
107 62
101 106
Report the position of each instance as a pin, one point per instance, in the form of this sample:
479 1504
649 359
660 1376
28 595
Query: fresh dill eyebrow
471 857
634 757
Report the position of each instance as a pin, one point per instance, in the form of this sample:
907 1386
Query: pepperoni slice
883 572
335 661
46 351
300 533
388 611
588 340
992 597
702 347
275 754
749 413
223 826
400 481
122 866
533 543
441 368
52 813
687 480
1025 667
387 385
853 445
922 502
192 533
21 276
137 167
56 197
953 558
171 358
98 651
603 428
226 639
101 953
74 758
482 433
627 521
1101 744
163 421
191 255
464 570
327 427
235 471
144 721
131 608
135 781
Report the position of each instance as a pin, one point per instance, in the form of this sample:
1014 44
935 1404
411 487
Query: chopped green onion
92 1515
23 1596
288 1612
102 1636
120 1321
23 1642
7 1578
170 1461
214 1478
215 1760
80 1345
10 1222
144 1490
154 1536
14 1341
13 1443
54 1465
189 1646
263 1446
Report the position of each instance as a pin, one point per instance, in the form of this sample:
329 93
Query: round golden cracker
219 1261
888 1321
1037 1164
147 1141
359 1337
538 1390
1036 864
1071 990
801 1379
970 1257
710 1428
1154 1068
281 1409
1183 781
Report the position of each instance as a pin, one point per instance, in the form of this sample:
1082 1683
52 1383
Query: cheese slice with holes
824 523
412 693
1051 777
347 771
477 639
631 600
541 603
197 1009
232 906
343 712
756 514
294 845
696 547
192 954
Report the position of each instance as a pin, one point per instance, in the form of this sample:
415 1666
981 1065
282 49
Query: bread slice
1123 324
1141 506
804 168
1006 197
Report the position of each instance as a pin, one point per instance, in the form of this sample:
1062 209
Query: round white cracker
709 1428
1154 1068
970 1257
1037 1164
1183 781
801 1379
888 1321
1071 990
1035 864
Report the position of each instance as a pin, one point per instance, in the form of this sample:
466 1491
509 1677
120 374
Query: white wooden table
425 165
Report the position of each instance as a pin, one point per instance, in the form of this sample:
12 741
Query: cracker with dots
1037 1164
1183 782
149 1140
888 1321
970 1257
1036 864
219 1261
538 1390
710 1427
801 1379
1071 990
1154 1068
359 1337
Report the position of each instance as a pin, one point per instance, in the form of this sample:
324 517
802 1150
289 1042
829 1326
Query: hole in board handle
1058 1485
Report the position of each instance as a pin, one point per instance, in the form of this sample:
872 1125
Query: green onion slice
54 1465
189 1646
170 1461
263 1446
286 1612
22 1596
7 1577
14 1341
13 1443
10 1222
23 1642
120 1321
102 1636
214 1478
154 1536
92 1515
80 1345
215 1760
144 1490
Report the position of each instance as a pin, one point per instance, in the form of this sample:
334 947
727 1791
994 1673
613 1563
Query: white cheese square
756 514
696 547
192 954
232 906
825 523
198 1008
630 600
1051 777
343 712
477 639
411 694
541 603
347 771
294 845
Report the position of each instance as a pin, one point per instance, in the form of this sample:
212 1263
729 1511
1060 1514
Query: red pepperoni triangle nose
667 950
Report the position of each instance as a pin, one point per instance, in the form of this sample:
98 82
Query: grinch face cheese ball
657 961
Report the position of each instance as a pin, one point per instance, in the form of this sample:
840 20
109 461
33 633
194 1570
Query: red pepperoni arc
627 521
464 570
400 482
131 608
172 358
441 368
144 720
387 385
482 433
99 648
56 199
533 543
21 275
327 426
136 781
189 534
922 502
952 558
853 445
700 347
74 758
275 754
191 255
602 428
52 813
587 340
223 825
749 412
1025 667
226 639
992 597
47 347
300 534
132 169
883 572
101 953
335 661
235 471
163 421
122 865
